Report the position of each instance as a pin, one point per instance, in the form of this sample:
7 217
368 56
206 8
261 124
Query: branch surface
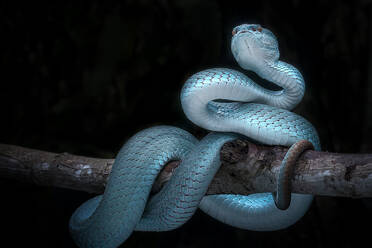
246 168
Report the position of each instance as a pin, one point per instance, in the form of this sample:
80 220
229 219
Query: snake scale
228 103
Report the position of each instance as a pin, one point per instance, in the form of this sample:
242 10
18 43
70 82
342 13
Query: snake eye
234 32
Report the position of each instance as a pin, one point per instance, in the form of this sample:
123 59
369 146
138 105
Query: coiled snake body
109 219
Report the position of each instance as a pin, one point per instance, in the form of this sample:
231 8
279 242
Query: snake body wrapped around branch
228 103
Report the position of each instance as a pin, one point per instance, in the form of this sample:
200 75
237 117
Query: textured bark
246 168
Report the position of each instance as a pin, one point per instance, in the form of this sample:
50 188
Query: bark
246 168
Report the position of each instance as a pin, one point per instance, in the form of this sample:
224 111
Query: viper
228 103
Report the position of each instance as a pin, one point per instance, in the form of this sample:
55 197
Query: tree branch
246 168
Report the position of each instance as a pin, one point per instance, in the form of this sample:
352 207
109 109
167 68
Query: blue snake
228 103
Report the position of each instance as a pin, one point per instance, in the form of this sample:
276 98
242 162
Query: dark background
84 77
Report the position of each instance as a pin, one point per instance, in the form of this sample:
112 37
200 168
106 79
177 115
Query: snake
230 105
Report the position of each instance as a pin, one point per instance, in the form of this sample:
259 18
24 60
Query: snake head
253 45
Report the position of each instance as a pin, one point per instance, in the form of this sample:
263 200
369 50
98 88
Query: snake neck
200 92
288 78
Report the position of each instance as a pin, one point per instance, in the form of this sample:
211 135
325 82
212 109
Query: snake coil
250 110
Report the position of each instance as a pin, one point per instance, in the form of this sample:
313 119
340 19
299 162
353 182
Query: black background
84 77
